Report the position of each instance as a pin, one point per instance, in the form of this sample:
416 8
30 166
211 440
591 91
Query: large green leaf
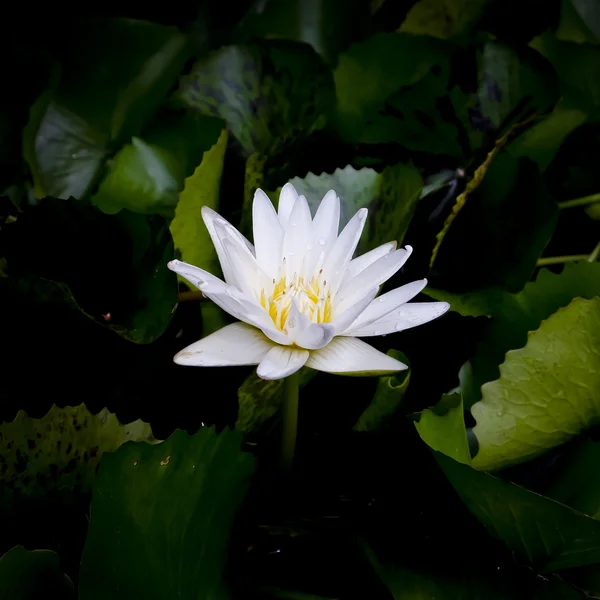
142 178
547 393
576 483
387 398
543 532
579 21
535 302
147 175
443 428
403 79
58 454
589 11
443 19
184 136
510 203
30 575
64 151
327 25
577 66
467 582
112 267
114 74
259 400
391 196
542 141
514 315
161 517
269 93
514 84
548 535
190 235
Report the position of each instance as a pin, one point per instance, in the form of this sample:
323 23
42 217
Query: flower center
312 299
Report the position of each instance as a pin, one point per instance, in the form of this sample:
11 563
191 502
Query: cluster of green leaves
462 131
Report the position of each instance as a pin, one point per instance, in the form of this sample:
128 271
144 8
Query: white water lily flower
300 296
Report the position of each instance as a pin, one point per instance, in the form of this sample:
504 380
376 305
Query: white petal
305 334
210 219
405 317
195 275
231 300
388 302
358 264
374 275
297 237
235 344
287 199
343 249
346 355
223 299
251 279
315 336
268 234
326 223
280 362
342 322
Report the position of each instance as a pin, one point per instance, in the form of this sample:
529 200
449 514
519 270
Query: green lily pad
514 315
161 517
475 240
548 391
65 153
29 575
387 399
579 21
575 483
443 428
403 79
190 235
58 454
577 66
269 93
542 141
391 196
111 267
544 533
444 19
514 84
114 73
467 583
142 178
333 23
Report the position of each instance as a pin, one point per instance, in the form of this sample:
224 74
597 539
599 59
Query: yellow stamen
309 296
327 310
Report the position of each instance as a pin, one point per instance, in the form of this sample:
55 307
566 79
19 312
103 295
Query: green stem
289 418
593 257
580 201
559 260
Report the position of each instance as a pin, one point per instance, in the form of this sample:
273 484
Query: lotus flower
300 296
